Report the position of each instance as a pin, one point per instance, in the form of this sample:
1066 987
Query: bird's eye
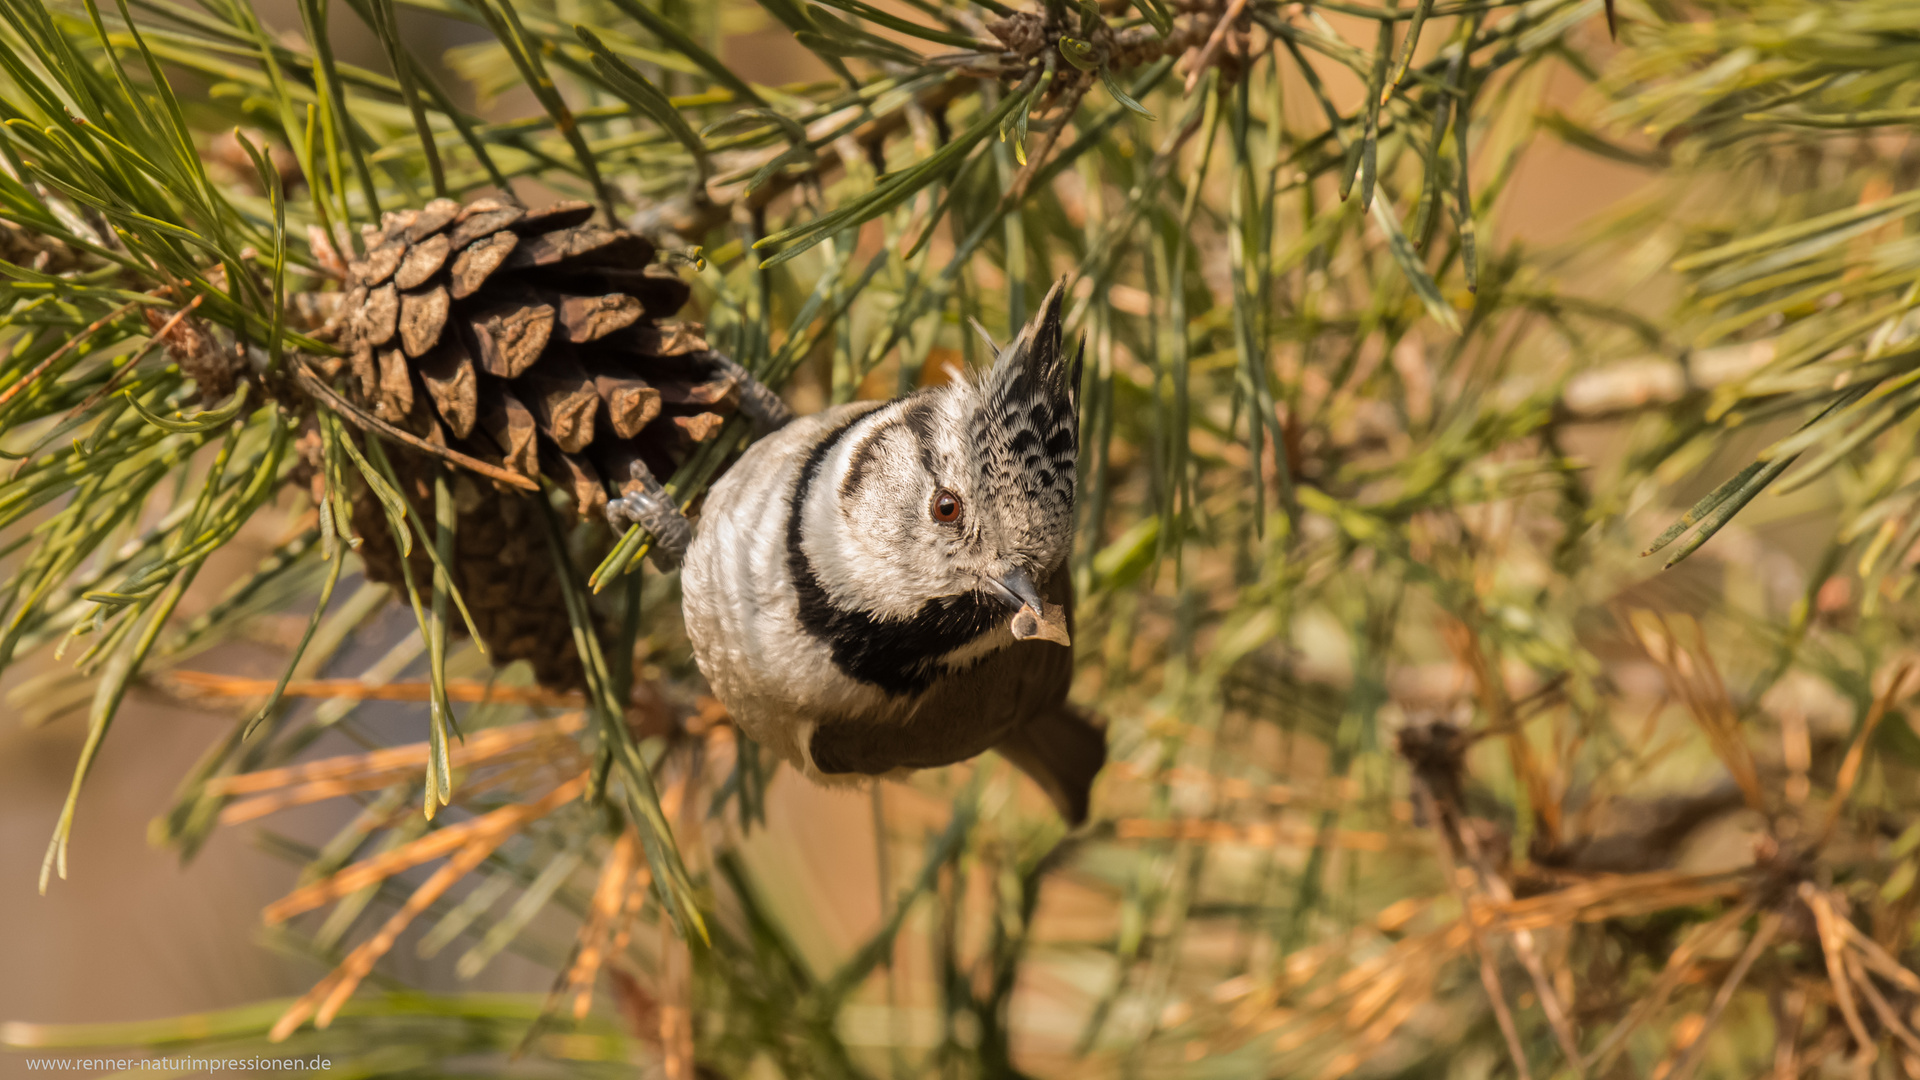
946 507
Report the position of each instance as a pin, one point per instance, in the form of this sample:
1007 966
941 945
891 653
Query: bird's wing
1013 701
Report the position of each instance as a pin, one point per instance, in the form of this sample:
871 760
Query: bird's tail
1063 750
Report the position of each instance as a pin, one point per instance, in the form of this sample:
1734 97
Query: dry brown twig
365 421
1695 1050
437 843
618 896
1850 767
32 377
1694 679
469 844
545 742
1017 190
647 714
1491 690
1701 940
1489 971
1882 1009
1524 948
479 746
160 336
1228 18
1257 834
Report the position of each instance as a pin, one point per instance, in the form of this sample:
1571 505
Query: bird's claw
758 402
653 509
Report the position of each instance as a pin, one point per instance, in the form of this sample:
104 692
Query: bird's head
969 491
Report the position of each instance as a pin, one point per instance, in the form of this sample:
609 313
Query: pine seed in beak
1047 624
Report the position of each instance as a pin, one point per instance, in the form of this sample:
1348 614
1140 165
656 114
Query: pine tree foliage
1782 101
1415 767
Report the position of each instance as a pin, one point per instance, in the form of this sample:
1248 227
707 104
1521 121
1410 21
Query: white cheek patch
863 529
893 498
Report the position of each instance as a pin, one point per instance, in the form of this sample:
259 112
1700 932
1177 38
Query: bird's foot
758 402
654 510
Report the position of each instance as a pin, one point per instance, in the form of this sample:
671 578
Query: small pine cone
531 340
213 369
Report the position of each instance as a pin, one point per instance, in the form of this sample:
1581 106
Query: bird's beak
1033 617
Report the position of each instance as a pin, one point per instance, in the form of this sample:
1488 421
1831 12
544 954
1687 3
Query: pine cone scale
452 383
593 244
432 218
631 403
422 261
560 215
662 292
380 263
700 426
395 401
590 318
578 478
512 334
366 373
510 424
380 316
706 394
423 315
478 260
483 219
563 400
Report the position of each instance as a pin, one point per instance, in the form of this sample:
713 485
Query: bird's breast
738 597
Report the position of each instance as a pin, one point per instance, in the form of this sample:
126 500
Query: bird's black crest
1031 423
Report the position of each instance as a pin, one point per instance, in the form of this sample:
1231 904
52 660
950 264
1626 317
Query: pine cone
530 340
